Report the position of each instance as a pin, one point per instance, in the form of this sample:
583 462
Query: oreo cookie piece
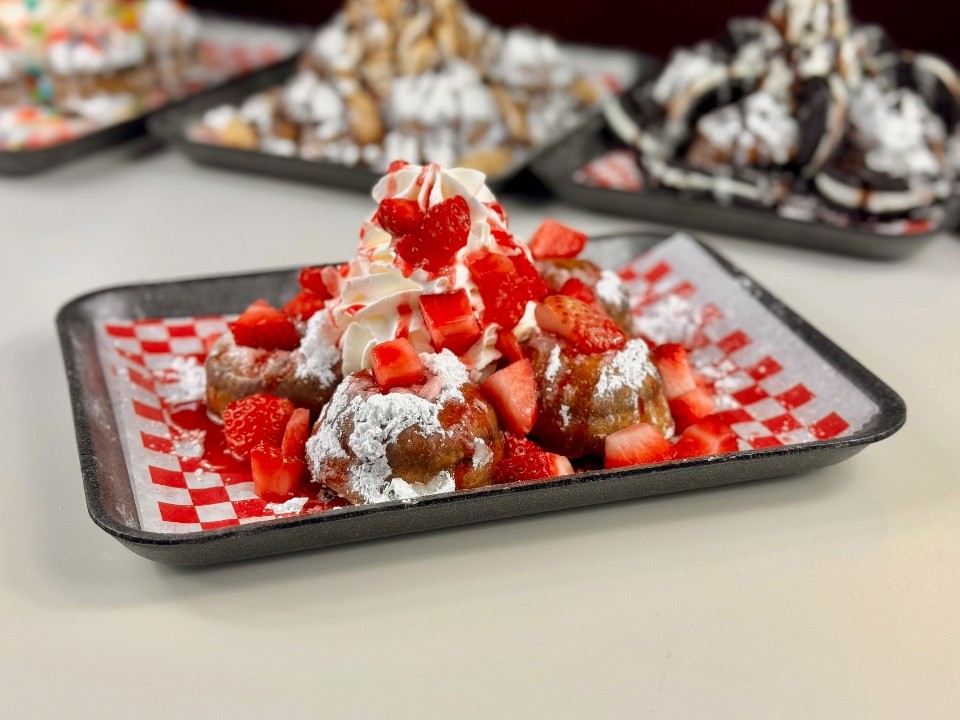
821 112
872 194
934 80
742 187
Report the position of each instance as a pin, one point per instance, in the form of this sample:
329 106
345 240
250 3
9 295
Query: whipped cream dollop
379 301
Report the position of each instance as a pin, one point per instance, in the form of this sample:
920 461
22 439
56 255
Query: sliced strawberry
304 305
507 283
690 407
399 217
578 289
509 346
553 240
442 233
513 394
263 326
450 321
674 366
638 444
253 420
314 280
276 475
523 460
581 325
709 436
559 465
395 363
295 435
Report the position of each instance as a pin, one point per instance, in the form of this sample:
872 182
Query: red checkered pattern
174 493
617 170
767 402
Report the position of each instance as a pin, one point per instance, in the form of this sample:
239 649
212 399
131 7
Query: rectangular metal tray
555 168
172 128
107 483
31 162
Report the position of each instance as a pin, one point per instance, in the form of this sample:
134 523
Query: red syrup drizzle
188 421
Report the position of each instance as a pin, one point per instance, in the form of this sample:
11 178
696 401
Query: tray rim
23 163
890 417
632 203
170 126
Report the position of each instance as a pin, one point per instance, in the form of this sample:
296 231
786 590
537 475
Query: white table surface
831 594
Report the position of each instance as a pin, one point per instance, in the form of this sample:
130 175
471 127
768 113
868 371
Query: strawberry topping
399 217
295 435
675 370
709 436
395 363
638 444
507 283
277 476
509 346
443 231
314 280
253 420
581 325
578 289
450 321
513 394
524 460
553 240
304 305
263 326
690 407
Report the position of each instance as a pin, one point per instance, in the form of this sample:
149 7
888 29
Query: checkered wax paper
771 387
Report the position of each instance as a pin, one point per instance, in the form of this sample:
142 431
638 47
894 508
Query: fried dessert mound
420 80
436 436
586 397
804 111
449 355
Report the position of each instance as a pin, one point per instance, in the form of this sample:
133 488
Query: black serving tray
555 168
173 128
31 162
110 498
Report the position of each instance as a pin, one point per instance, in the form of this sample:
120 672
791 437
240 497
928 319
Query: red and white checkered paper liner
772 387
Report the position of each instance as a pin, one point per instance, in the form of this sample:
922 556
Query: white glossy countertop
831 594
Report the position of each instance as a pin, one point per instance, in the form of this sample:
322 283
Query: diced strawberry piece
675 370
253 420
523 460
314 280
578 289
450 321
276 475
263 326
295 435
559 465
509 346
504 239
507 283
442 233
582 326
304 305
395 363
553 240
638 444
399 217
397 165
709 436
690 407
513 394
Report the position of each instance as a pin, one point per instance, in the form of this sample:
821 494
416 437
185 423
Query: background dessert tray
240 51
173 127
795 399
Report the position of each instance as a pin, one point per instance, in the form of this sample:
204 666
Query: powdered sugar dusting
400 489
553 364
610 288
482 455
670 320
293 506
318 354
629 368
452 373
191 384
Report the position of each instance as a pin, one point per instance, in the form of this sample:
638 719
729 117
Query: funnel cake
421 81
453 356
804 111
